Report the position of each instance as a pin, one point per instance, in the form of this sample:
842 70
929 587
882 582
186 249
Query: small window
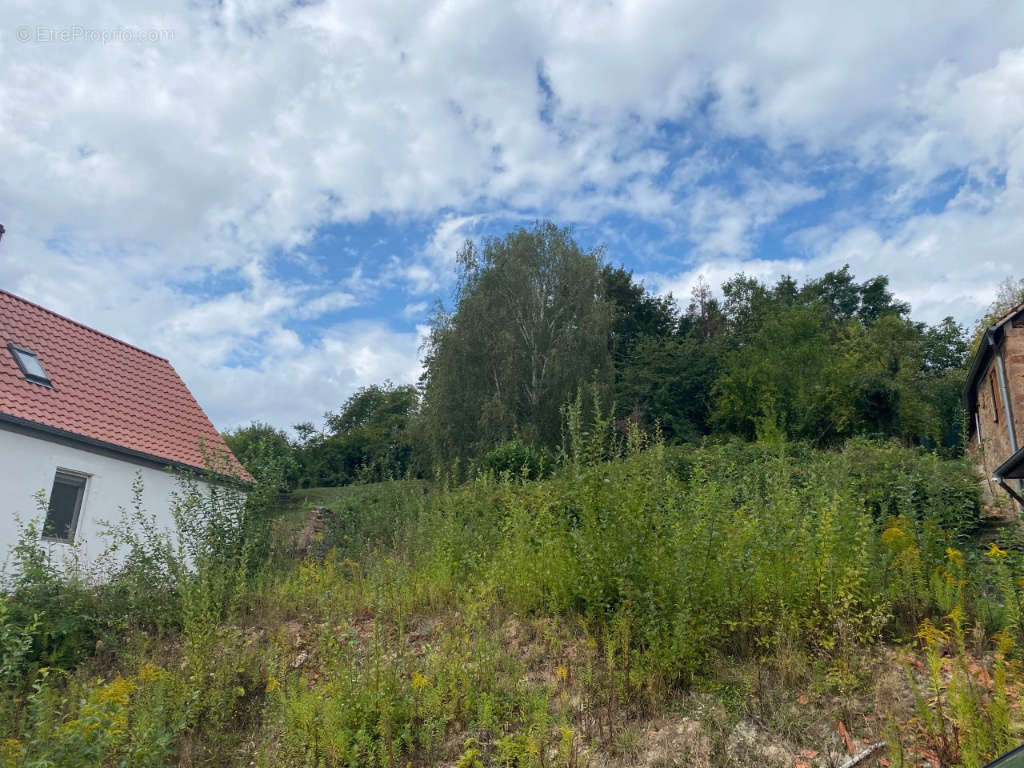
995 396
65 506
29 364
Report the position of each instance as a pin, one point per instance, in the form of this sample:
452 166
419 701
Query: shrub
141 583
373 707
727 549
518 460
653 568
54 602
53 616
894 481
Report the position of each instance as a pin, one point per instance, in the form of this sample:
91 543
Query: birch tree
529 326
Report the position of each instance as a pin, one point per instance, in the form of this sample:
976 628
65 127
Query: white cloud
317 377
948 263
725 224
327 302
148 188
415 311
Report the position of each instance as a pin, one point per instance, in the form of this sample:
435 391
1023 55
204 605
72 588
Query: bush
54 616
260 445
517 460
725 549
414 640
54 603
369 712
893 480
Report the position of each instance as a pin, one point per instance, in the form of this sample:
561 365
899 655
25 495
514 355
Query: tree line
536 322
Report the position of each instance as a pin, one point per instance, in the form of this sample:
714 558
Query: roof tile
103 389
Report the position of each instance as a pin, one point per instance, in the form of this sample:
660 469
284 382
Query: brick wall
1013 354
995 436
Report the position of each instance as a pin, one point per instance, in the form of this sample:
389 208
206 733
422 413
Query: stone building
994 401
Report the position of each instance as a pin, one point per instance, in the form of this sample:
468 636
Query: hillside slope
731 605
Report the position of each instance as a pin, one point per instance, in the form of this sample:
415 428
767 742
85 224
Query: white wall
28 464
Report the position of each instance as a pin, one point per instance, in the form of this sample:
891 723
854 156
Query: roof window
29 364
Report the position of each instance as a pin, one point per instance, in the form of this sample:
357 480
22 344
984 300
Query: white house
81 414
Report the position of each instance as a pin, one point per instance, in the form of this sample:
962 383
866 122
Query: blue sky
271 194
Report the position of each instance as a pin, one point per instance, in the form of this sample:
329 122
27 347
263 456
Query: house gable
101 391
994 398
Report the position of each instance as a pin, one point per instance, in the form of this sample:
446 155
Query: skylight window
29 364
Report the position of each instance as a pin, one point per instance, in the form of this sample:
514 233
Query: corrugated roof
103 390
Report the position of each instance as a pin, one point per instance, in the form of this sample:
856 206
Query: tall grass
720 550
510 621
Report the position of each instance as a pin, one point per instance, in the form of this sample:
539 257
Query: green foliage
835 359
752 544
56 616
141 585
665 363
1009 294
529 323
963 714
526 623
939 494
369 440
16 639
369 712
638 314
778 375
367 517
845 300
535 318
52 602
259 444
518 460
667 386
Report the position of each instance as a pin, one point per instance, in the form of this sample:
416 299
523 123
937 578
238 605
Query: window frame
995 395
67 477
17 351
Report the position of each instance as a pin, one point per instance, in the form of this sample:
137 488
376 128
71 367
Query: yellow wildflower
931 635
11 753
995 552
419 682
956 616
893 534
955 556
150 673
1004 642
117 691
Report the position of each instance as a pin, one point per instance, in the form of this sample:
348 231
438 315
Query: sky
272 194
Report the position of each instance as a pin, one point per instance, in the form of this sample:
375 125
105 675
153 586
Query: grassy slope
724 607
506 680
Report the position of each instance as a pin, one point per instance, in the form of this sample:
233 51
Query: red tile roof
103 389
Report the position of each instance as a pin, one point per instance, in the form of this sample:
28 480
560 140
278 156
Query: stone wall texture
992 444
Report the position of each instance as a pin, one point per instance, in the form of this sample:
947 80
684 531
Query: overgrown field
734 604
